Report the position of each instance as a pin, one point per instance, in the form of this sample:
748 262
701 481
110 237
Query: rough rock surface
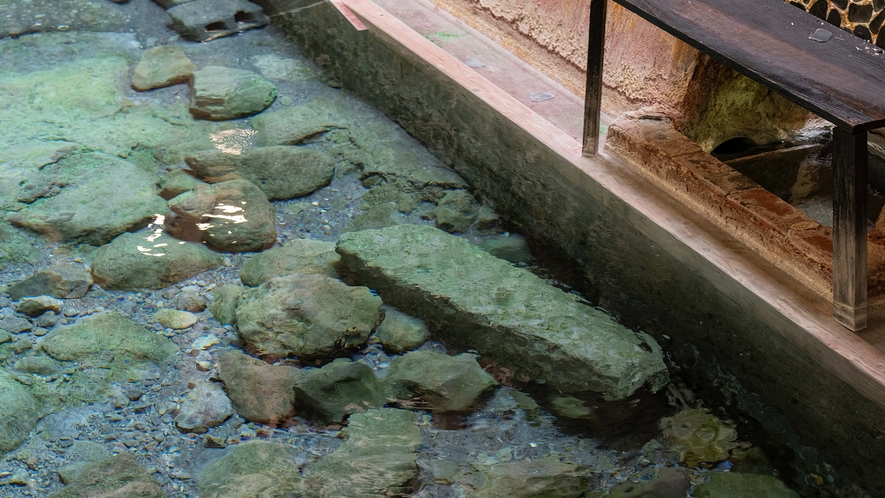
442 383
296 124
206 406
377 458
281 172
150 259
204 20
117 477
510 247
307 256
219 93
698 436
735 485
37 305
19 412
162 66
61 281
507 314
308 316
547 477
253 469
400 332
224 303
339 389
177 182
231 216
259 392
82 455
91 205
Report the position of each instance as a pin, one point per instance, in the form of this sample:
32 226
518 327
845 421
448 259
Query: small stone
36 306
22 345
213 442
39 365
205 342
177 182
339 389
175 319
5 337
220 93
60 281
203 366
224 303
47 319
697 436
438 382
189 300
297 256
205 406
14 324
162 66
400 332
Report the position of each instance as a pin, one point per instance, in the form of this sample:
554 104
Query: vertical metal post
593 93
850 229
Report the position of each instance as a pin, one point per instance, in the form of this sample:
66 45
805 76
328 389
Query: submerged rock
219 93
456 211
507 314
339 389
509 247
377 458
308 316
117 477
150 259
297 124
253 469
224 303
206 406
735 485
60 281
442 383
548 477
19 412
37 365
307 256
281 172
37 305
162 66
175 319
259 392
81 456
654 482
400 332
177 182
231 216
697 436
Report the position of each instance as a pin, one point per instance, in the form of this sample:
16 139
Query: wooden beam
850 228
593 92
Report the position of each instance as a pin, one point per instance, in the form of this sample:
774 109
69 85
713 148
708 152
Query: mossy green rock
734 485
442 383
281 172
162 66
547 477
117 477
400 332
507 314
253 469
456 211
377 458
259 392
296 124
509 247
697 436
305 256
177 182
339 389
61 281
308 316
224 303
219 93
93 337
150 259
81 456
19 412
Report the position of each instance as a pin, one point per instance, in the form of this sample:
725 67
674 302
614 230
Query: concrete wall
730 345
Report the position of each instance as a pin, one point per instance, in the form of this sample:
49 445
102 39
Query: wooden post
850 228
593 92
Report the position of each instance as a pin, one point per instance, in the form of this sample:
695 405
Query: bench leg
593 93
850 229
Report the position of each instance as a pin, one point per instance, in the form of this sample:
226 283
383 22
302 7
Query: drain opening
216 26
733 146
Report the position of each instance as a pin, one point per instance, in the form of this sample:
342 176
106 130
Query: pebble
205 342
175 319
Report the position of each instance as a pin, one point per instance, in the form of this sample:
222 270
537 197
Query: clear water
66 94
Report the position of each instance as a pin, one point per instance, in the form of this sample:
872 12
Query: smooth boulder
253 469
338 389
220 93
437 382
306 256
160 67
60 281
259 392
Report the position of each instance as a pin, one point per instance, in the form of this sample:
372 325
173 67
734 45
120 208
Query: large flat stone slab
507 314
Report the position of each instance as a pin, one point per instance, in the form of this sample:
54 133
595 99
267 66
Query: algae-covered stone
117 477
274 67
206 406
259 392
162 66
306 256
224 303
339 389
231 216
253 469
698 436
219 93
509 247
60 281
400 332
175 319
547 477
442 383
19 412
308 316
735 485
507 314
38 365
456 211
297 124
177 182
281 172
100 196
82 455
150 259
37 305
377 458
108 341
652 482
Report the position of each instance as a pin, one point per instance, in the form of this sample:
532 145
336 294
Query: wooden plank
768 40
593 92
850 229
351 18
802 321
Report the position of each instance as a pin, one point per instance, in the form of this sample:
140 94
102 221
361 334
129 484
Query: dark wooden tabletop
841 80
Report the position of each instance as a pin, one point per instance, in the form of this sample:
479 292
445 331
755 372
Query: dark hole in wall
737 145
242 17
819 9
216 26
834 18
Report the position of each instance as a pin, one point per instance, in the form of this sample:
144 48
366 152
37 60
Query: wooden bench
829 72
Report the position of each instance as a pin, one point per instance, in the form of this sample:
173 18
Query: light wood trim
804 320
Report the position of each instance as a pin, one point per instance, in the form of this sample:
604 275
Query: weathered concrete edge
513 157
